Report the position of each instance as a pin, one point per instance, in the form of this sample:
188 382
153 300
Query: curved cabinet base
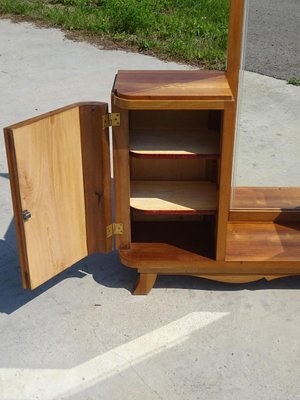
239 278
146 281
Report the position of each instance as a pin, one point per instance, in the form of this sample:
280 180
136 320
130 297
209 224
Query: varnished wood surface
120 135
174 133
171 169
163 258
264 215
96 176
263 242
225 173
173 196
276 198
234 44
234 50
161 144
145 283
171 104
50 181
175 85
168 121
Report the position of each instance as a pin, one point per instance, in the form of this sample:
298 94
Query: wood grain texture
173 196
96 176
170 169
234 45
173 134
264 215
275 198
150 217
163 258
204 144
175 85
120 136
263 242
227 146
169 121
48 180
128 104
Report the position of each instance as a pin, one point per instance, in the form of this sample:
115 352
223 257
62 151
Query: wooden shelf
175 144
263 242
173 197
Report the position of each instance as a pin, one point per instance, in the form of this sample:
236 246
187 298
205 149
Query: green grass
191 31
294 81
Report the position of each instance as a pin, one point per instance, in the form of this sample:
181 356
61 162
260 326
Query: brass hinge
114 229
111 119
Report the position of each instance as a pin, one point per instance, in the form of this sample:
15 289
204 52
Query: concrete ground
272 42
83 335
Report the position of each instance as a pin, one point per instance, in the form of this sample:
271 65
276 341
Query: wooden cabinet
173 138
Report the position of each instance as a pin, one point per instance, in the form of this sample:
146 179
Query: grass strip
190 31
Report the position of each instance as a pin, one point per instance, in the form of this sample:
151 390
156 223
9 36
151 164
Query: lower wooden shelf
190 236
163 258
263 242
254 251
182 197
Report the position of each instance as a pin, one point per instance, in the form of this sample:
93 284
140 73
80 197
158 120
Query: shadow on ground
106 270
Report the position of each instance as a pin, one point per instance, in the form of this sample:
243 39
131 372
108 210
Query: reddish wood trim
173 156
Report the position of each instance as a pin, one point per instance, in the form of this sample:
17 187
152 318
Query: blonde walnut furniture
173 138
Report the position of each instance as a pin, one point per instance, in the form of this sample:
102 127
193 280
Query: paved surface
273 40
83 335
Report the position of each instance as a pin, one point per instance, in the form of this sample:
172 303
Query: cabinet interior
174 175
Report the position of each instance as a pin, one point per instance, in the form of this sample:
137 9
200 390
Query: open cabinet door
59 171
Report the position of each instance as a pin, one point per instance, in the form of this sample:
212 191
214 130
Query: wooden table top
172 85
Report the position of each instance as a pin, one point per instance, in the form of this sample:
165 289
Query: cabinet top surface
172 85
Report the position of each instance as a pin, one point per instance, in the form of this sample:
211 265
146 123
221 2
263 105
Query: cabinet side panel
122 177
96 176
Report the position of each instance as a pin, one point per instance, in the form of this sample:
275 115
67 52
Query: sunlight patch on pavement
48 384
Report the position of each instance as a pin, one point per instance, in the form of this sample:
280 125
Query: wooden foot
145 283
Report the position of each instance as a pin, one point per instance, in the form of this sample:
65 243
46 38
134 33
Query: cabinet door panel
59 173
